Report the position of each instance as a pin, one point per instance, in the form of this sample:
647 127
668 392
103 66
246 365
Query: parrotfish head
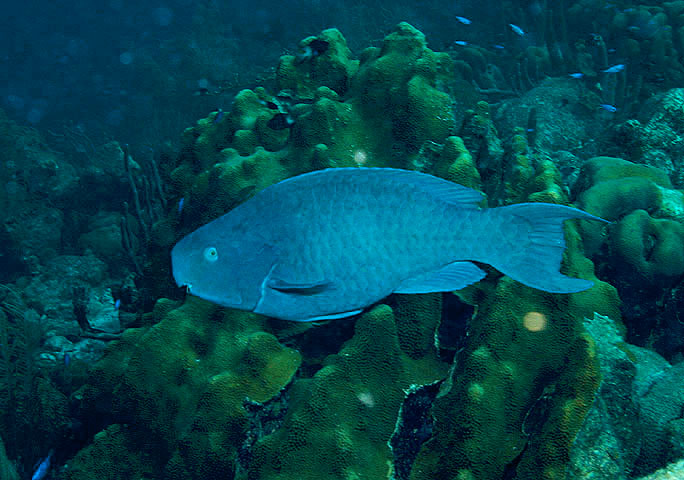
220 267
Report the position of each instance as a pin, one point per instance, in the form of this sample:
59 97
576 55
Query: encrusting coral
174 392
642 251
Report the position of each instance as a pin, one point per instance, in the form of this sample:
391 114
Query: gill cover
222 268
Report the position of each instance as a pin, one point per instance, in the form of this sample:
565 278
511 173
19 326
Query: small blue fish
43 467
463 20
117 304
67 359
608 108
517 30
615 68
462 43
498 47
181 202
576 75
219 116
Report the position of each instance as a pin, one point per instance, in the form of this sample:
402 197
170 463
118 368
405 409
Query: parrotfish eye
210 254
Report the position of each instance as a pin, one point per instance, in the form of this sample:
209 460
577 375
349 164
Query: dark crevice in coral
453 328
414 427
264 419
314 341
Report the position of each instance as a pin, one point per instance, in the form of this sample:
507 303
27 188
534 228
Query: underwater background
124 126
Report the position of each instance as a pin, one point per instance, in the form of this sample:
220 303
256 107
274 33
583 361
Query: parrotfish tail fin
537 246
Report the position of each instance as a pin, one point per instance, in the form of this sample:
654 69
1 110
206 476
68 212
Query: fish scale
329 243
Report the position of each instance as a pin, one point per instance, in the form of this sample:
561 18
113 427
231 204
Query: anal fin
453 276
332 316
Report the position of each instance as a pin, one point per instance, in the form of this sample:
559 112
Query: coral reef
7 469
656 138
105 362
633 425
545 398
566 117
31 407
511 401
644 244
340 421
173 394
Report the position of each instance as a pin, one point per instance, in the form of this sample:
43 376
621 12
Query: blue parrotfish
329 243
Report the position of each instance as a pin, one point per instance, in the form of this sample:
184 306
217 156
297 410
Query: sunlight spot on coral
366 398
360 157
535 321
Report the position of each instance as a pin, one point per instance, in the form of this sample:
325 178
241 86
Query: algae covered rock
609 442
657 137
632 427
559 114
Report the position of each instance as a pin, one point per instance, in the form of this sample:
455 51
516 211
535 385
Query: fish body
463 20
615 68
608 108
517 30
328 244
576 75
43 467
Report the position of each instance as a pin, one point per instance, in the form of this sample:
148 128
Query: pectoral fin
453 276
298 288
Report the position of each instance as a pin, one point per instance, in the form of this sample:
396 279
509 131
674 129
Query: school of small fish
520 32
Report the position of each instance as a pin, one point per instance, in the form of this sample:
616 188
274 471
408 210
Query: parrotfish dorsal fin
435 187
